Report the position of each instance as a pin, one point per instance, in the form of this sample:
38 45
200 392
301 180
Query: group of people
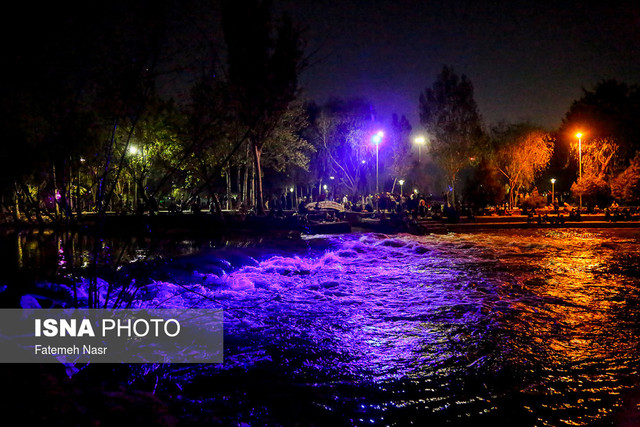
415 204
615 213
612 213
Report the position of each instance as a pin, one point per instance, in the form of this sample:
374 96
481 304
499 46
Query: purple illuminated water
537 327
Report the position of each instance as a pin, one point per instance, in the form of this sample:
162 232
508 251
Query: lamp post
293 199
579 136
401 182
553 192
377 139
78 201
419 141
133 150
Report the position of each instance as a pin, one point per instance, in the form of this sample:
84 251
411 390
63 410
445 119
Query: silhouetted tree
609 110
449 114
263 71
400 147
484 185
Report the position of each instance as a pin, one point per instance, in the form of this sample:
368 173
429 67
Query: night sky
528 60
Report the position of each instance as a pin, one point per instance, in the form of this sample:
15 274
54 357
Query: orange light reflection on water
581 336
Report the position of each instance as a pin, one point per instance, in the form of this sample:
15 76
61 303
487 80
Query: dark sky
528 60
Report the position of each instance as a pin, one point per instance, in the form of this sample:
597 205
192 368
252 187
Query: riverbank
465 224
495 222
319 222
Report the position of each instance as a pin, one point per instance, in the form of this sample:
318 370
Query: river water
536 327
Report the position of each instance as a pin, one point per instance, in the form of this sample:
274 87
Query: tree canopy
520 152
341 130
449 113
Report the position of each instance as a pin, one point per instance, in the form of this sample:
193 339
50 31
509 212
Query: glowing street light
553 190
579 136
420 141
377 139
133 150
401 182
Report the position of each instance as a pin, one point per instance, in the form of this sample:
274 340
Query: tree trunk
216 208
55 191
16 212
516 199
245 183
258 173
228 186
78 195
238 186
251 188
511 196
453 193
452 201
70 191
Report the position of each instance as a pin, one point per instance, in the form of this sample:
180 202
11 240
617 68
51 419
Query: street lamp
78 199
420 141
377 139
401 182
294 199
553 190
133 150
579 136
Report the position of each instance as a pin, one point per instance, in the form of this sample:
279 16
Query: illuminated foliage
520 153
626 186
341 130
285 148
597 169
593 187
